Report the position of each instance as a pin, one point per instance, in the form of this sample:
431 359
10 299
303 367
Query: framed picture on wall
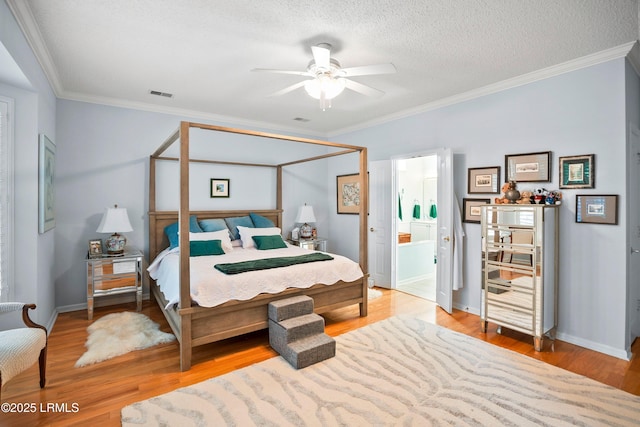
219 187
483 180
472 209
529 167
46 188
597 209
577 171
348 193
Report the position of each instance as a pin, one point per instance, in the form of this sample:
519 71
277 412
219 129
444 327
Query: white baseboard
102 302
615 352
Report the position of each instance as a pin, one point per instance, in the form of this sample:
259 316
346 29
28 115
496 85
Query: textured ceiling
114 52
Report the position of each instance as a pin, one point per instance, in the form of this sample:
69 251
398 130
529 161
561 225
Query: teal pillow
269 242
261 222
212 224
171 231
205 247
234 222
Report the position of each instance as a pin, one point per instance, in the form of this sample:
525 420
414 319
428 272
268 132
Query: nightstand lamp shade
115 220
305 215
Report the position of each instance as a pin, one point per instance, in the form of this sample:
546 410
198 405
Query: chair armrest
27 320
6 307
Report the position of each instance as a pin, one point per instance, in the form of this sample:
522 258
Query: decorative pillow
205 247
222 235
171 231
260 222
269 242
212 224
247 233
234 222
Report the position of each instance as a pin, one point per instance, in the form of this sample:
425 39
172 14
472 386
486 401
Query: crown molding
624 50
182 112
27 23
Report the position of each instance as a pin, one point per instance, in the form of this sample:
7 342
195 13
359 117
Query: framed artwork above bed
348 197
219 187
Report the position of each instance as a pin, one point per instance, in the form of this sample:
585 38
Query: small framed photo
95 248
473 209
597 209
348 193
529 167
577 171
219 187
483 180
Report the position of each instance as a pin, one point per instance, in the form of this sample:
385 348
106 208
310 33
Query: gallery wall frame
483 180
46 184
577 171
528 167
220 187
348 194
597 208
472 209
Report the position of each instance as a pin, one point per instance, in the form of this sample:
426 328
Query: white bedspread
210 287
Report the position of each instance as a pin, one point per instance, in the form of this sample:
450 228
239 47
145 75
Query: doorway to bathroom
416 181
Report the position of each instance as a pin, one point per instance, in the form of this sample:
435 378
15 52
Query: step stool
297 333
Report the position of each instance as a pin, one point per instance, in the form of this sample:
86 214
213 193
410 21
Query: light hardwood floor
100 391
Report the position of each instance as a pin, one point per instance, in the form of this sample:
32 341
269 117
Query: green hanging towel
399 207
416 211
433 212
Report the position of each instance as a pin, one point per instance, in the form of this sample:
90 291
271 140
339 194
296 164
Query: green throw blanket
264 264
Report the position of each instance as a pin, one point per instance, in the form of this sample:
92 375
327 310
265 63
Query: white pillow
247 233
222 235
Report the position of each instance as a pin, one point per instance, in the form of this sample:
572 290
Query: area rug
120 333
400 371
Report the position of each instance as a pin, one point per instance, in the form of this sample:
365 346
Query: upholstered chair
21 347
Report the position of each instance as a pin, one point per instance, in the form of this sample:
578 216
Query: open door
380 207
444 272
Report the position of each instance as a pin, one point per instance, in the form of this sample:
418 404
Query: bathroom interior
416 224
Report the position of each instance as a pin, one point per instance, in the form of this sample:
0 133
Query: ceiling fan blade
321 56
367 70
288 89
363 89
296 73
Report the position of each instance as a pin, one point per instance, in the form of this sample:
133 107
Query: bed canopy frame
194 325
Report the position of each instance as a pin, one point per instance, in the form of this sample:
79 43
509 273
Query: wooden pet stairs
297 333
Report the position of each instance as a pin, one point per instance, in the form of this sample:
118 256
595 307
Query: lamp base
115 244
305 231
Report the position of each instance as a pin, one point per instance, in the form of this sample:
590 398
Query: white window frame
7 222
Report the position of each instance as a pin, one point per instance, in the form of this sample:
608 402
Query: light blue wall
35 113
581 112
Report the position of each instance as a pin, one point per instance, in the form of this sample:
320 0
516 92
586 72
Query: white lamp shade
305 214
115 220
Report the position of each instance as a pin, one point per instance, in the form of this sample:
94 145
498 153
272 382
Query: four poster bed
195 322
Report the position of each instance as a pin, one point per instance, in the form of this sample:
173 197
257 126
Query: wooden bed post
364 231
183 227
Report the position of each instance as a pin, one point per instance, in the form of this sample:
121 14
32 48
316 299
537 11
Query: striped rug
400 371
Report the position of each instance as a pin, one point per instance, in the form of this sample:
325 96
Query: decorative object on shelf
597 209
577 171
472 209
483 180
305 216
512 194
95 248
530 167
503 199
219 187
348 196
115 220
46 188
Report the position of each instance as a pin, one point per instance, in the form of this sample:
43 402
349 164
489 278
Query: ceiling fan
329 79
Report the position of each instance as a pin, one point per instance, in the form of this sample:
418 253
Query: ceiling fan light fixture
324 87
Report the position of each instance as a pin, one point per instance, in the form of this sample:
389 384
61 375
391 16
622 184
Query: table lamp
305 216
115 220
